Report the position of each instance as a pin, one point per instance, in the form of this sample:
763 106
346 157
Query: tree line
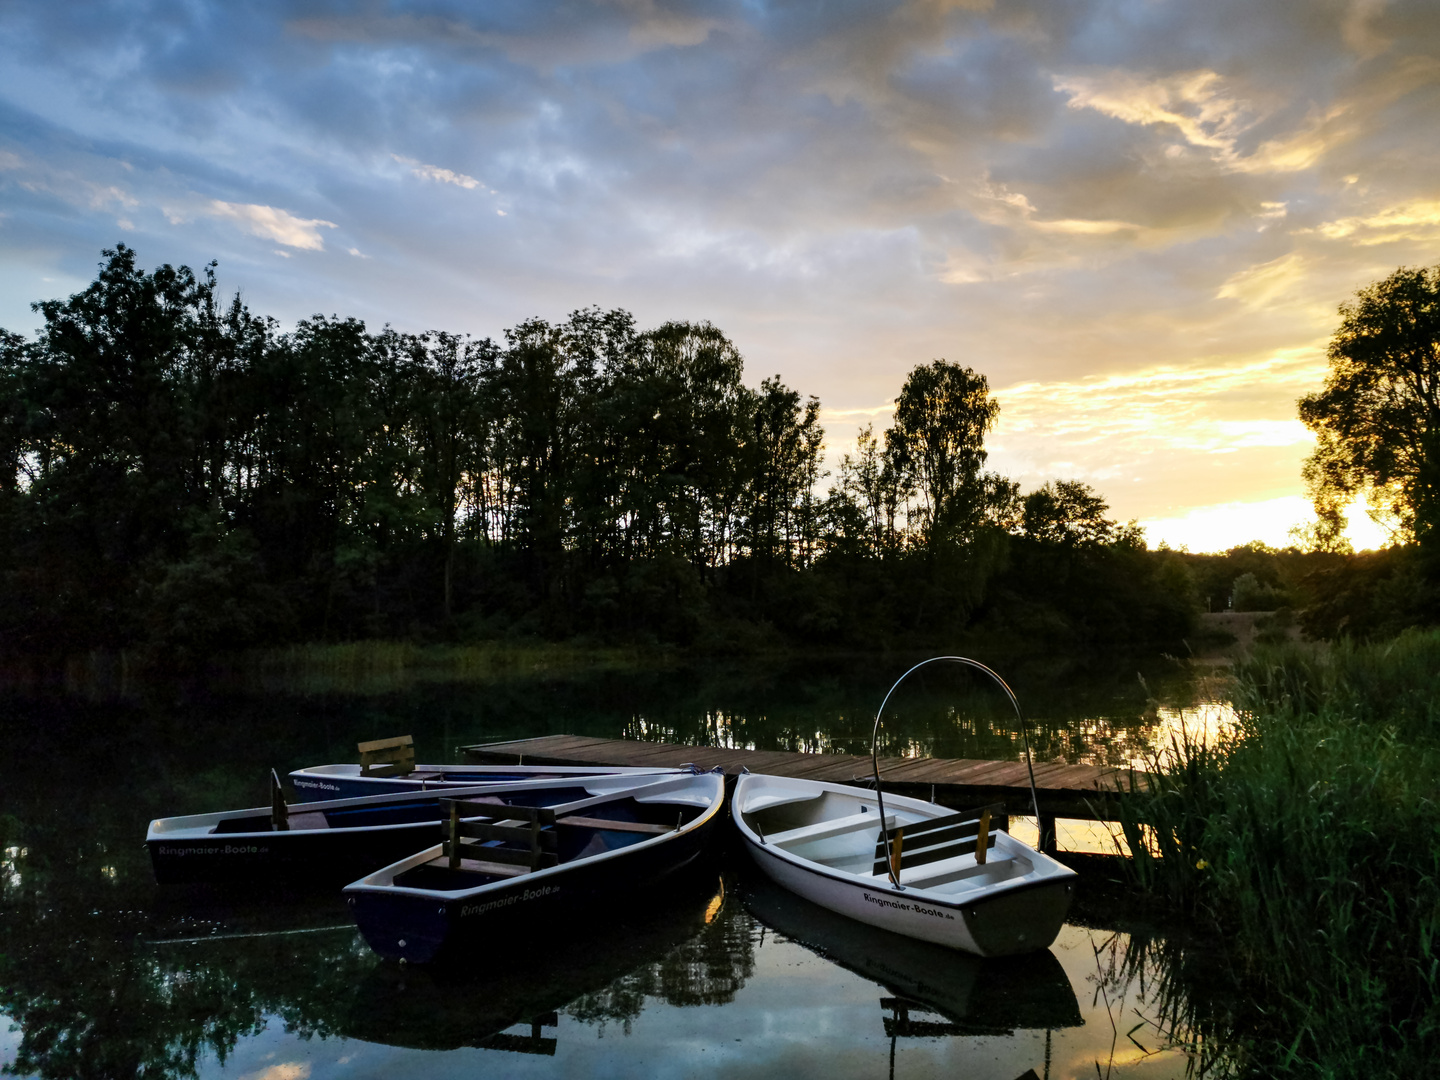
179 472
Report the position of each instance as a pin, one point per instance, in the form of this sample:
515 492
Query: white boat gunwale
351 771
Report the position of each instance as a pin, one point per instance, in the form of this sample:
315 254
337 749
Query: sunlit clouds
272 224
1136 219
435 172
1418 219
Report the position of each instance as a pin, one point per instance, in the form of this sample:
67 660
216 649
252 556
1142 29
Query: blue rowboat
333 841
521 867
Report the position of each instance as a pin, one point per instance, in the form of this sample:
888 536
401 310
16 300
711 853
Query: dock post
1046 824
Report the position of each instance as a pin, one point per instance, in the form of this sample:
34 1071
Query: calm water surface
104 975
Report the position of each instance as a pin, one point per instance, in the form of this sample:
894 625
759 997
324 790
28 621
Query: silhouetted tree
1377 419
938 444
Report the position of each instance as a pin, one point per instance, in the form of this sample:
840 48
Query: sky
1136 218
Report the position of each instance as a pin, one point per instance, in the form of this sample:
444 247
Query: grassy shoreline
1311 841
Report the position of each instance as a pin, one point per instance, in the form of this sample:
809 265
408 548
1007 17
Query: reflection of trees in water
95 995
92 999
78 976
708 968
1179 993
1101 714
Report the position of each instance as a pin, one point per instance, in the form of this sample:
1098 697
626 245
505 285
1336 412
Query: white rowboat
820 841
955 879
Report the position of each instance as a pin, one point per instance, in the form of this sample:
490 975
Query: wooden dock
1084 792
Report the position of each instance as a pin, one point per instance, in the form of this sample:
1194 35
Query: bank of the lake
1310 838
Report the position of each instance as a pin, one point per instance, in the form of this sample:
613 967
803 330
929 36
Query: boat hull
318 857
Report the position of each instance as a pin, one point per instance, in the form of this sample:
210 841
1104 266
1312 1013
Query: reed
1311 840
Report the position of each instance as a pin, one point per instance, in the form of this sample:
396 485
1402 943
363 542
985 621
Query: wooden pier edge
1078 792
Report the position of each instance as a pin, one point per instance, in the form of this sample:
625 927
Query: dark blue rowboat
335 840
523 865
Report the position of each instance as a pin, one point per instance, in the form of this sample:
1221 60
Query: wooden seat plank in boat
825 830
612 825
475 827
967 832
946 871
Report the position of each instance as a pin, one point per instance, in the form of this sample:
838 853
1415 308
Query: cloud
270 223
1209 116
653 27
65 184
1260 286
1112 428
1195 103
1417 219
435 172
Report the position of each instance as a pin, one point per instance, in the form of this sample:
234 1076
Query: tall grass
1311 839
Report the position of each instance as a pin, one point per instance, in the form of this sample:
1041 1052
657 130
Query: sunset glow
1136 219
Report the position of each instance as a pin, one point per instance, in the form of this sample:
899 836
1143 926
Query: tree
787 443
865 500
938 443
452 444
1377 419
1067 512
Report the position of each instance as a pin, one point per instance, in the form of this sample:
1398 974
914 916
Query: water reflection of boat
974 996
461 894
603 970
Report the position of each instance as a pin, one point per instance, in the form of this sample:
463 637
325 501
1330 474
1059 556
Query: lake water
103 974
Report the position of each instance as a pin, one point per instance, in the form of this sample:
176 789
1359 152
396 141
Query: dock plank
1064 789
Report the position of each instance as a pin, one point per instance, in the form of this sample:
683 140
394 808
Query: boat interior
424 807
502 846
842 832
